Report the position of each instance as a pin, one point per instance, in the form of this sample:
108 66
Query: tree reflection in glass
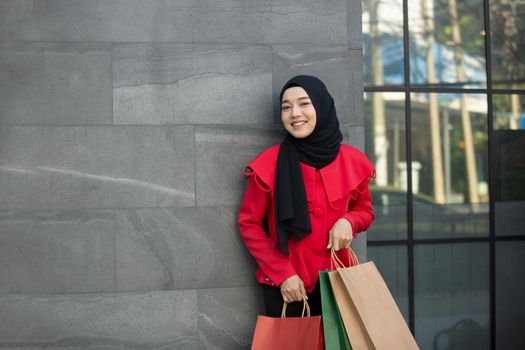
461 208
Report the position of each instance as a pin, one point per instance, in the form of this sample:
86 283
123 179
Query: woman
304 197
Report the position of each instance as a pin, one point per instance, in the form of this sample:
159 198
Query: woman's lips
298 124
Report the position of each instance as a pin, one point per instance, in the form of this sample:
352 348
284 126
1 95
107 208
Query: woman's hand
293 289
341 235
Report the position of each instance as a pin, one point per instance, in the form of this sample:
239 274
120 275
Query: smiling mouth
299 123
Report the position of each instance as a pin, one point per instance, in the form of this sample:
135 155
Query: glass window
383 42
449 143
385 146
508 112
392 263
510 289
507 25
449 165
509 164
452 309
447 43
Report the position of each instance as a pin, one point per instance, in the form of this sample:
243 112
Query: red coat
339 190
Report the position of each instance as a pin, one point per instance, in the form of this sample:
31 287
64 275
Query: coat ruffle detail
351 168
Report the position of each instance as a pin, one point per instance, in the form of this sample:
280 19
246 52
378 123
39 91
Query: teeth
298 123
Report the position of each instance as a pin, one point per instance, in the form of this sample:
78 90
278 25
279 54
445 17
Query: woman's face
297 112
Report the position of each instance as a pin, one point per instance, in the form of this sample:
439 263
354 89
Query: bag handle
305 307
335 261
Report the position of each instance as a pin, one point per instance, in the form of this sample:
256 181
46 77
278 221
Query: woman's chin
300 134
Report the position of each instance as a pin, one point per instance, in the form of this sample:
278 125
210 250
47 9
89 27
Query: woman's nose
296 111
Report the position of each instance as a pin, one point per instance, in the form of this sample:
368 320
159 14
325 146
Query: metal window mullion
408 135
388 88
490 132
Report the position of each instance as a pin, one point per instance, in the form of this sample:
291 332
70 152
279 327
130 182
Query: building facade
444 89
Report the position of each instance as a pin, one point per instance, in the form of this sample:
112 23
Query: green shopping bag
335 335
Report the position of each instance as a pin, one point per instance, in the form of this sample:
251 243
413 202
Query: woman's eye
285 108
305 103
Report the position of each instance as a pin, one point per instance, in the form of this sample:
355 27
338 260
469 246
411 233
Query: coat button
318 212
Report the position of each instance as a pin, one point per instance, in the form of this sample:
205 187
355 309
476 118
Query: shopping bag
374 314
359 338
289 333
335 336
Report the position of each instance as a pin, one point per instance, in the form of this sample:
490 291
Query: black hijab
318 150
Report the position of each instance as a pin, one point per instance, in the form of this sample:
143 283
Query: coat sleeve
252 213
360 213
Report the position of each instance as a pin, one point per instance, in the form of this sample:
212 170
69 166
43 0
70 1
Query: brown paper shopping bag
371 316
355 330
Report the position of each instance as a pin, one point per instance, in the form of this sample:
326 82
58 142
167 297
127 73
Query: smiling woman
298 113
304 197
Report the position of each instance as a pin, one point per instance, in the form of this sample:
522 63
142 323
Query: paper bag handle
335 261
305 307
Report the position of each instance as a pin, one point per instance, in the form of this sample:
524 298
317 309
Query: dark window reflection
452 296
450 165
386 147
447 44
509 164
510 289
383 42
508 43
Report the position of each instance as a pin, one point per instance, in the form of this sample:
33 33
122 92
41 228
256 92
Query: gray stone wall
124 129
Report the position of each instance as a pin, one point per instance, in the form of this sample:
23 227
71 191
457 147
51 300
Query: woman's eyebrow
300 98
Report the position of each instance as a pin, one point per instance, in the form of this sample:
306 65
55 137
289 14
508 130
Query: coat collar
342 177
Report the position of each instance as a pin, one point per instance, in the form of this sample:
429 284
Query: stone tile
273 22
227 317
354 136
55 83
355 24
178 83
163 248
150 320
356 88
330 64
227 21
222 153
72 167
97 20
56 251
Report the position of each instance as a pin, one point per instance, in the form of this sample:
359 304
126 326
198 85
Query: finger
299 295
288 297
336 244
285 299
329 241
303 291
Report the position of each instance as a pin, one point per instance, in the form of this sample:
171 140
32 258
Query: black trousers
273 301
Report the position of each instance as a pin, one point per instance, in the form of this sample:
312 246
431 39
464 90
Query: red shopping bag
292 333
